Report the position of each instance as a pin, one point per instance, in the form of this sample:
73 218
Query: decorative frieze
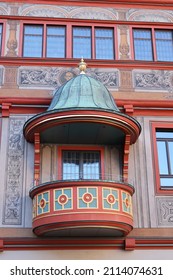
150 15
54 77
12 214
3 9
153 80
165 211
69 12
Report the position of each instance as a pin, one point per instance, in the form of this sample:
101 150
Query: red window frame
154 127
81 148
69 35
153 40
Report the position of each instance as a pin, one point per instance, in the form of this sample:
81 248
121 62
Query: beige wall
88 255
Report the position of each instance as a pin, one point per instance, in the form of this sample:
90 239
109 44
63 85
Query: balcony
95 207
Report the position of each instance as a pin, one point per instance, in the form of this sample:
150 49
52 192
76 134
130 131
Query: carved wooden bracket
36 158
126 157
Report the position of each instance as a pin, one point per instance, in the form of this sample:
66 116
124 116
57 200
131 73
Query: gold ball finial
82 66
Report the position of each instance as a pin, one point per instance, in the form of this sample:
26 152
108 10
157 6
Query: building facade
86 145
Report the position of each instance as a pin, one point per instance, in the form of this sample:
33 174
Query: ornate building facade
86 148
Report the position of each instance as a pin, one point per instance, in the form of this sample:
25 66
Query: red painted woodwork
52 119
126 157
36 159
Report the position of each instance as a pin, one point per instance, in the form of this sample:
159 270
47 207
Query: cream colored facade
24 80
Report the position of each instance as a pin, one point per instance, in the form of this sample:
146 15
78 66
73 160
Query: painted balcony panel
82 208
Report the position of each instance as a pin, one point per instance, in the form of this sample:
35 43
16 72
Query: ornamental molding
150 15
68 12
153 80
54 77
165 211
12 214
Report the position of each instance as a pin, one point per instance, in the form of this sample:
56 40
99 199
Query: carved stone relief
55 77
69 12
153 80
12 214
165 211
150 15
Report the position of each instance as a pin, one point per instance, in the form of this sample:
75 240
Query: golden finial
82 66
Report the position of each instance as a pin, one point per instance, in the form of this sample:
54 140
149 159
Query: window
104 43
142 44
68 40
41 42
0 37
164 45
153 44
33 41
165 157
81 165
82 42
55 46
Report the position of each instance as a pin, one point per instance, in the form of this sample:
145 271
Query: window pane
104 43
91 165
70 165
170 150
81 165
164 45
33 36
0 37
55 41
166 182
164 134
162 155
82 42
142 44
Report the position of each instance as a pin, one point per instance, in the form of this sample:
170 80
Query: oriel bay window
153 44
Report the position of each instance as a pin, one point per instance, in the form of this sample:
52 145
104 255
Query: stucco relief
12 214
150 15
68 12
165 211
55 77
153 80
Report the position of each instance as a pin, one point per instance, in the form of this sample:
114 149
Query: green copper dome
83 92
